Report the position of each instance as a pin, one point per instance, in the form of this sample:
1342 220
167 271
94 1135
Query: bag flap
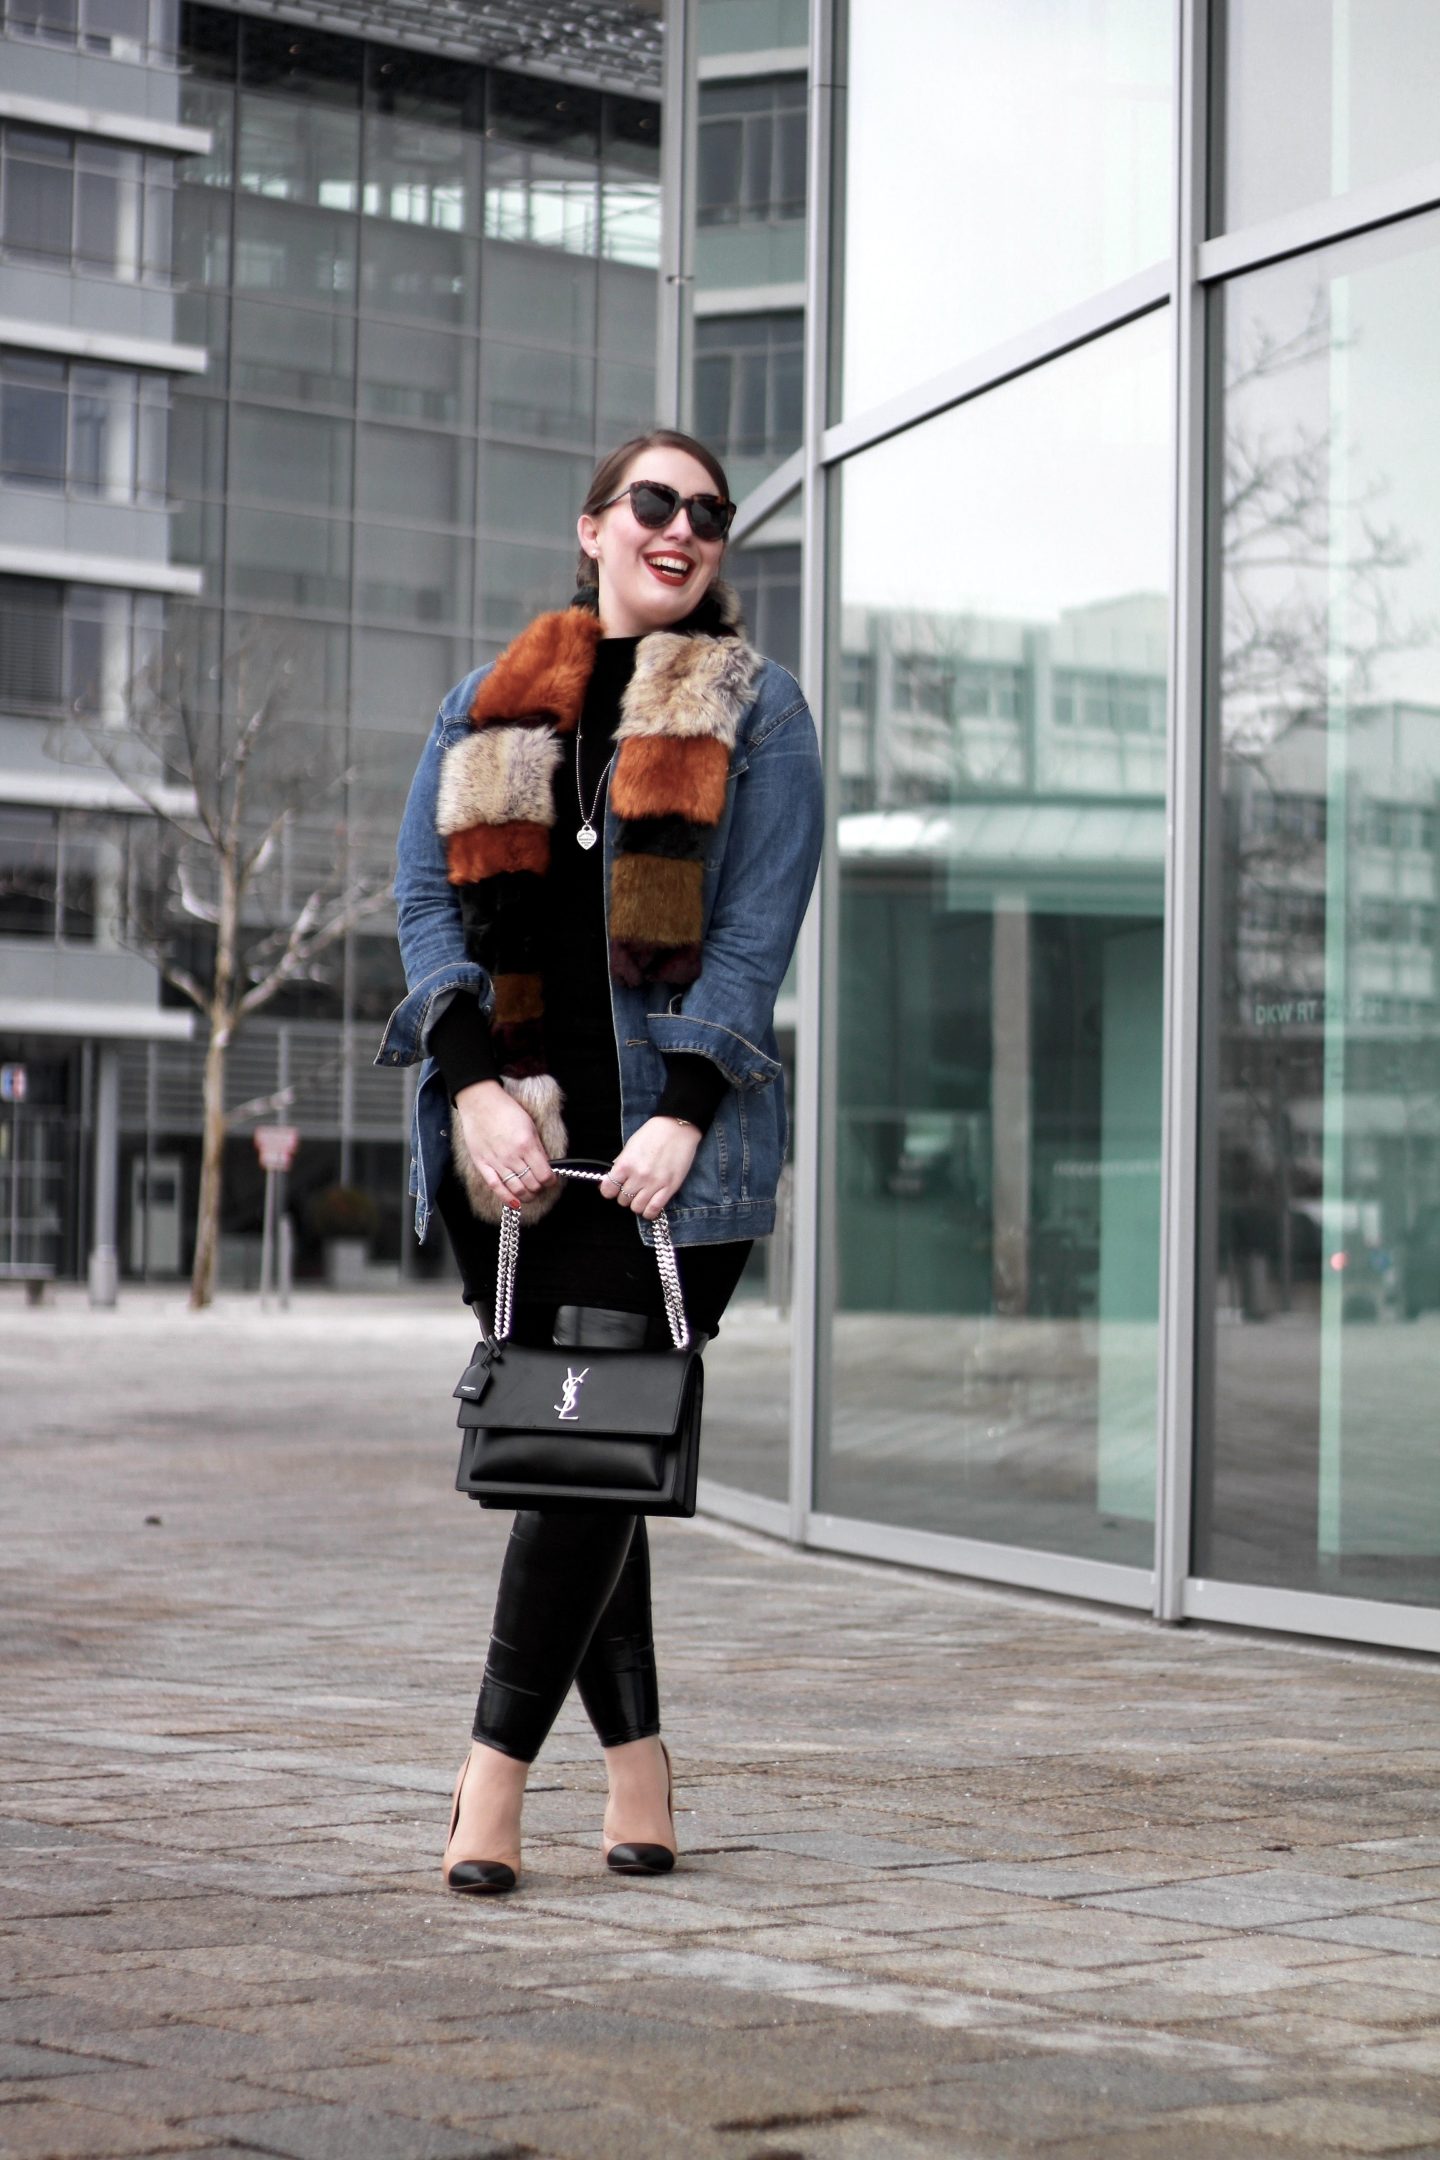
577 1391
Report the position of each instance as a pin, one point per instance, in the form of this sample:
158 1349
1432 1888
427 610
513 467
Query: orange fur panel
483 851
657 776
545 670
517 998
654 901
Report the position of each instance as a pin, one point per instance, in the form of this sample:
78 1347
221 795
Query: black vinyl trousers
573 1603
573 1606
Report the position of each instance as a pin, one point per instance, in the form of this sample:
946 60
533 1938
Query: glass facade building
308 343
1116 1211
1072 363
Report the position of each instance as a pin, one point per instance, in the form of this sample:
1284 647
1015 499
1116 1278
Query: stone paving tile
1348 2125
332 2132
1185 1894
59 2130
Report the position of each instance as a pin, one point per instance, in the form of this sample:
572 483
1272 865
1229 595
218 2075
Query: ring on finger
509 1176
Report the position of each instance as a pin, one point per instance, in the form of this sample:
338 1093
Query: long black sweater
586 1251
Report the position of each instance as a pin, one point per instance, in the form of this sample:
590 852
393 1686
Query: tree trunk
212 1156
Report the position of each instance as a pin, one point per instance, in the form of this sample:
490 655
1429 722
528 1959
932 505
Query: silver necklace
587 835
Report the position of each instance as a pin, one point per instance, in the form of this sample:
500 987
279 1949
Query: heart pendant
587 836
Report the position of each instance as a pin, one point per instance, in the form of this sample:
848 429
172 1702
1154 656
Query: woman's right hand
503 1143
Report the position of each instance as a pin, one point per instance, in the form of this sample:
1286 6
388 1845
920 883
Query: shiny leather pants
574 1599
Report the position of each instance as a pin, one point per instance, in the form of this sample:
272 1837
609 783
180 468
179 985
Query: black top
586 1251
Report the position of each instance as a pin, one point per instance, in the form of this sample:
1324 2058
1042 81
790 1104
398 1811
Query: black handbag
546 1427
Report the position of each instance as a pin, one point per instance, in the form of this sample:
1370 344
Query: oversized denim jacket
758 877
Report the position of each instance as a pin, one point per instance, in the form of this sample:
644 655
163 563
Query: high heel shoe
627 1858
473 1875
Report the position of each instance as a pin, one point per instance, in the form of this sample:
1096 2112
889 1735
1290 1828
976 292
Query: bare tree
252 880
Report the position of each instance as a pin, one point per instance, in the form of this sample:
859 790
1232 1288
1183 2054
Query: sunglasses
654 504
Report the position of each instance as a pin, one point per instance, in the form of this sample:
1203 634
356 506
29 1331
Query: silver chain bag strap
547 1427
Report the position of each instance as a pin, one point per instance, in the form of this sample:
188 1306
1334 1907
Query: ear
588 533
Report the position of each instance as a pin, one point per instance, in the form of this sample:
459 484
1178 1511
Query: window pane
1000 975
536 493
31 642
108 207
291 252
102 431
1051 172
290 457
534 390
1317 1464
413 576
299 153
197 445
551 296
412 473
298 561
117 28
1319 97
408 271
626 399
39 205
418 174
32 421
628 305
718 186
517 583
417 374
540 200
302 354
28 849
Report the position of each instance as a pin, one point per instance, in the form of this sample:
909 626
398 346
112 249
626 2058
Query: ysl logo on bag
569 1392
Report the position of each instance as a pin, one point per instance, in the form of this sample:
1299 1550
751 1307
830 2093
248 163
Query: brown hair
609 474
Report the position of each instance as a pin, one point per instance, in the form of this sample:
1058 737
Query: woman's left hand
652 1166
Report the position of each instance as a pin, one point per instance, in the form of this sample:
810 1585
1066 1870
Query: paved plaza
965 1873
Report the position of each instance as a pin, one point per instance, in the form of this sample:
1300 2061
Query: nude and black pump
475 1876
631 1859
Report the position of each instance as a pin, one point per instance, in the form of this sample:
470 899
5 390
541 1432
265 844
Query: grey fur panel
688 688
498 775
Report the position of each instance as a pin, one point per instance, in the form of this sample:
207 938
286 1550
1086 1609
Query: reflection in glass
413 374
1317 1467
1001 722
298 458
299 153
416 473
410 576
547 201
418 174
301 562
290 252
539 390
1045 162
1318 97
305 355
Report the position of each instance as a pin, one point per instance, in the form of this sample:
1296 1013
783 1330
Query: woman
611 1001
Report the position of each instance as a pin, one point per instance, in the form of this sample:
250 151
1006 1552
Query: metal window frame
1196 264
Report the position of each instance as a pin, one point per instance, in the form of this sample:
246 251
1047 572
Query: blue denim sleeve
428 919
772 853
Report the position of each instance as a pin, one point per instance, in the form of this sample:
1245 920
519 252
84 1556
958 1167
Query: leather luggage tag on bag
476 1377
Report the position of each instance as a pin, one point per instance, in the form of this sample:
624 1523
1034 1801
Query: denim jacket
758 876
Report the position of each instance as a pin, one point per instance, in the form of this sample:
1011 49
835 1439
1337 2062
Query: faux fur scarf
496 808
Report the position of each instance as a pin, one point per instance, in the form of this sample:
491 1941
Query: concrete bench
37 1277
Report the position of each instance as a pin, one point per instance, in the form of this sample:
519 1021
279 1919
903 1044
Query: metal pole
1180 1198
812 1283
15 1182
679 108
287 1260
104 1259
267 1241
